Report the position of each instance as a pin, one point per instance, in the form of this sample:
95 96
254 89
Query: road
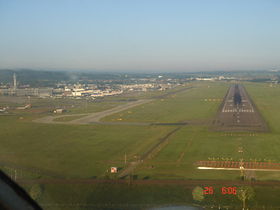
96 117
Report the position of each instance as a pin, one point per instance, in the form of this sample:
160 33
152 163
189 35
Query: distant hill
33 78
36 78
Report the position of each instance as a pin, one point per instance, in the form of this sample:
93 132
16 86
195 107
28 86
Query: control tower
15 81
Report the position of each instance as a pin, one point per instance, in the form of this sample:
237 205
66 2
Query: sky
140 35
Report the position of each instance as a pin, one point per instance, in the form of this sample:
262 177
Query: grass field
80 151
87 151
124 196
194 143
187 105
267 99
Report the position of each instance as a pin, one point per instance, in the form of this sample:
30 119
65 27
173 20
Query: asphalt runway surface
239 113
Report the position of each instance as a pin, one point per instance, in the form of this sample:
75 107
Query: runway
238 112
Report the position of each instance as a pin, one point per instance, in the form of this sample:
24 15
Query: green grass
187 105
59 147
124 196
194 143
84 151
73 151
267 99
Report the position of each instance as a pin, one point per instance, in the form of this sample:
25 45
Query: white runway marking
237 169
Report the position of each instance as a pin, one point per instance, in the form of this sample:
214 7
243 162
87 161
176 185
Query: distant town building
205 79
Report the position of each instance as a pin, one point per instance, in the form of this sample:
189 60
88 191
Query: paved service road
238 112
95 117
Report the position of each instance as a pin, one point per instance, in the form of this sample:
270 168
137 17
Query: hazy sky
155 35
